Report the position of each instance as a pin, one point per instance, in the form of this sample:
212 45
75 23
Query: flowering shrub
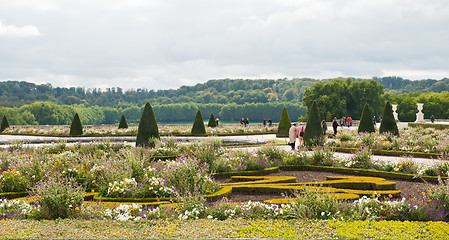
58 197
121 188
206 151
13 181
132 212
188 175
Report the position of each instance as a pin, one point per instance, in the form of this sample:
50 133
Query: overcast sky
163 44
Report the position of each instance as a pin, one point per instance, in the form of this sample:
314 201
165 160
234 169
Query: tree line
221 91
335 97
49 113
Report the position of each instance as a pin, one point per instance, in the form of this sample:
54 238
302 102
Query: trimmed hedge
123 123
11 195
323 187
260 180
163 157
388 124
363 172
198 125
313 133
389 152
147 127
284 124
222 192
76 128
5 124
212 122
366 121
262 172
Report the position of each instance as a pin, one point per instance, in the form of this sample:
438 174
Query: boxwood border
392 153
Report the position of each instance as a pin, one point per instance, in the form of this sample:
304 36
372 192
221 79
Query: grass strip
214 229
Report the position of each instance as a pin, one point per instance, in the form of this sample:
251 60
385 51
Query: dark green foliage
388 123
5 124
198 126
284 124
123 123
76 129
366 121
212 122
313 133
147 127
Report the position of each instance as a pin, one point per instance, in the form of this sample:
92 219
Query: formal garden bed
117 171
421 141
112 130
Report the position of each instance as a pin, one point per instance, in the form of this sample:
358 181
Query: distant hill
223 91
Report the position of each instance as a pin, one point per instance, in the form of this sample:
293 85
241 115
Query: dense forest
230 100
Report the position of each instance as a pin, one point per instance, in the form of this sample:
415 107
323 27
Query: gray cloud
165 44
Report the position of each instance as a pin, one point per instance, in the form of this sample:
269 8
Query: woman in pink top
300 133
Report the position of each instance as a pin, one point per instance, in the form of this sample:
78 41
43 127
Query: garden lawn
236 228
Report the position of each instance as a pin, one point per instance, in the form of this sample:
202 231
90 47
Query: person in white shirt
292 136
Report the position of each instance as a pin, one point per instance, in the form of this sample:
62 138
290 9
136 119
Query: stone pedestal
394 107
420 115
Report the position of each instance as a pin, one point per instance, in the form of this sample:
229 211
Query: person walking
264 122
334 126
300 134
324 127
292 136
269 122
247 122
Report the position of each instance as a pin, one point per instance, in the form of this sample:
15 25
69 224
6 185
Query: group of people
295 132
244 122
265 122
346 121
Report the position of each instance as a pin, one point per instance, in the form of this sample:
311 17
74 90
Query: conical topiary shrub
366 121
212 122
198 126
313 133
76 129
147 127
284 124
123 123
388 123
4 125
